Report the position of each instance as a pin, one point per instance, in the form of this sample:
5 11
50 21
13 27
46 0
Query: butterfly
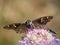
38 23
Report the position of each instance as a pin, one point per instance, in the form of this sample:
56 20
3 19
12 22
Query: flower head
38 37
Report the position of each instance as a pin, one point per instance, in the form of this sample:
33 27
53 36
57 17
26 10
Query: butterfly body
22 27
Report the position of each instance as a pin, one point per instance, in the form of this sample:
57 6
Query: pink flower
39 37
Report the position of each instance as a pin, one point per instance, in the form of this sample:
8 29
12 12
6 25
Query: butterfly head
29 24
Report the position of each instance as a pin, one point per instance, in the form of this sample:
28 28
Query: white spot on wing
14 25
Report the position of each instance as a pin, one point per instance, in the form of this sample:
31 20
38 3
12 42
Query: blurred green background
14 11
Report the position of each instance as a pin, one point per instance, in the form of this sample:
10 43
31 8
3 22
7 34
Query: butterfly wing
18 27
43 20
41 23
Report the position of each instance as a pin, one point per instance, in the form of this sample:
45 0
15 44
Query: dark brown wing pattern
43 20
18 27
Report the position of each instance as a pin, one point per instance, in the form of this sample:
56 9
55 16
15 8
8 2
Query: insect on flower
38 23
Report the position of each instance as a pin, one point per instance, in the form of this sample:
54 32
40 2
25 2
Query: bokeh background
18 11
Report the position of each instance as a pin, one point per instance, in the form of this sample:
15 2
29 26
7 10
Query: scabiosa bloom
39 37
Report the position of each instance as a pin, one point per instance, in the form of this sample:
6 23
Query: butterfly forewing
12 26
18 27
43 20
